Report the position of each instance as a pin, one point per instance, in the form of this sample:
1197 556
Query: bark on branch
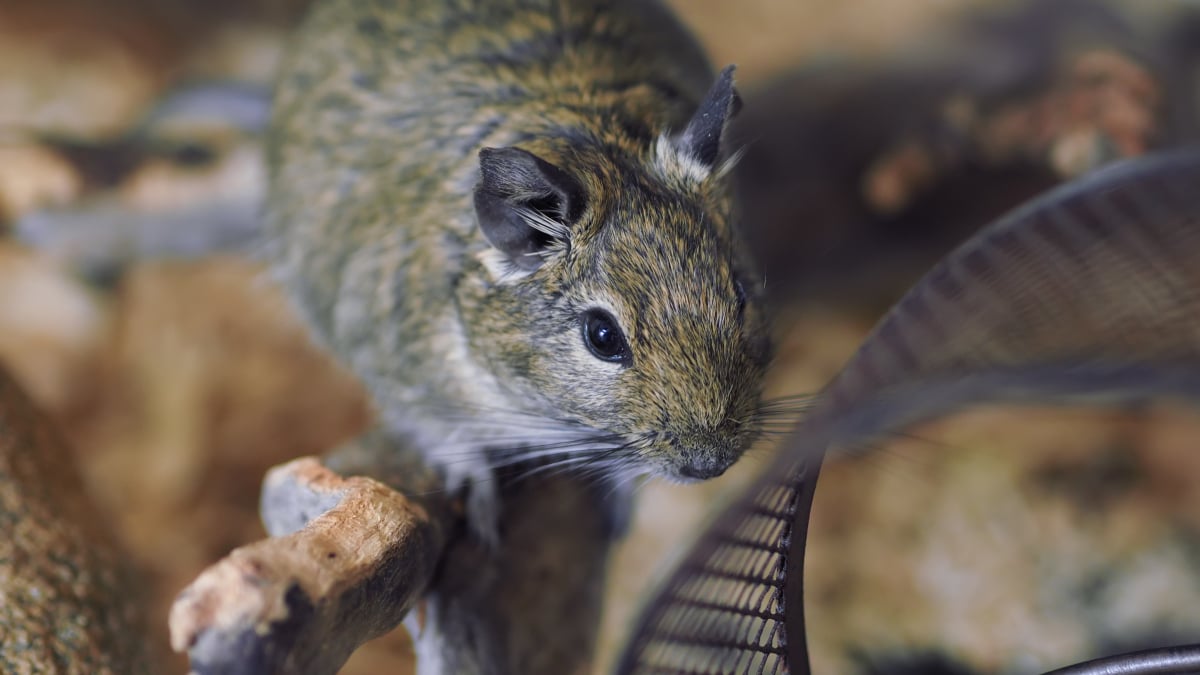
351 557
304 600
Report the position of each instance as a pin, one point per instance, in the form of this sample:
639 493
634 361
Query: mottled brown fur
380 120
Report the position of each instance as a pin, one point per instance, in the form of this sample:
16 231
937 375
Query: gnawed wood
283 605
353 558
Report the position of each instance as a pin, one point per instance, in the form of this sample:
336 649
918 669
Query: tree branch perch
286 605
303 601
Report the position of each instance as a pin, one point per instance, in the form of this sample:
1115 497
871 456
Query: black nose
703 470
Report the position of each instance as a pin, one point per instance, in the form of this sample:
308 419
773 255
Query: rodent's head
618 294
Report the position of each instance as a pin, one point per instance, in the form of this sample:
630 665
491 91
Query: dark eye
604 337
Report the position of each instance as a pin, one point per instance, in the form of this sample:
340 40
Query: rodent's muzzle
705 456
703 470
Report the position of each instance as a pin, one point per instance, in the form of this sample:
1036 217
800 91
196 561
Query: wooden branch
66 600
303 601
530 606
283 605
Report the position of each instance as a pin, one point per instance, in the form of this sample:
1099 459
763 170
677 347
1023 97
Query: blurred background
878 134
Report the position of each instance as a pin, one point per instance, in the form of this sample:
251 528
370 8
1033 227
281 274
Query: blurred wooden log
66 604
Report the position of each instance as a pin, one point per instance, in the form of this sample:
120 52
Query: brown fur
380 120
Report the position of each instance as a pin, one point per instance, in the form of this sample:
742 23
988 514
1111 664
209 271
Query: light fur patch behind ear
500 268
674 163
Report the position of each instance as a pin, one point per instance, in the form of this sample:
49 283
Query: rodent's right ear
701 139
525 205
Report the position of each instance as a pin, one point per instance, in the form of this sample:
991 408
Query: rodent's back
523 207
384 105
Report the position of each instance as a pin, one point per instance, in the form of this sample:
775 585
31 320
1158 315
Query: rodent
515 222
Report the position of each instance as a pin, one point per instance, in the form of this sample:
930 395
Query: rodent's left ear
701 139
524 204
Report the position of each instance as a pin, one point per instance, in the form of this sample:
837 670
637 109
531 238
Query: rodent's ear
524 204
701 138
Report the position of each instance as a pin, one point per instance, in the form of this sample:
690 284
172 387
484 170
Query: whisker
552 467
518 453
596 463
622 479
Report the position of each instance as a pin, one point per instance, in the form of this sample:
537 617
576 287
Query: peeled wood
285 605
303 601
